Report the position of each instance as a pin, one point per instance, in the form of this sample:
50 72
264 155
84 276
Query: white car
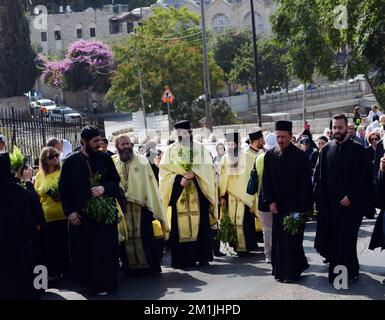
45 105
66 113
360 77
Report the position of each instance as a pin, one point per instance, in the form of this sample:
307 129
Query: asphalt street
248 278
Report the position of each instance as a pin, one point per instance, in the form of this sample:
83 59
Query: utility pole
208 102
256 68
140 85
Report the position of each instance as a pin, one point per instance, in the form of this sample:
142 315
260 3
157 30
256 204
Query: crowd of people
89 214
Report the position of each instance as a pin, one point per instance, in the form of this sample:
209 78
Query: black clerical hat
255 135
183 124
284 125
232 137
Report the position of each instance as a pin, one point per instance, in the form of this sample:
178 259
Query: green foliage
300 26
221 113
227 232
168 52
273 73
101 209
307 27
226 47
53 192
17 67
17 159
293 223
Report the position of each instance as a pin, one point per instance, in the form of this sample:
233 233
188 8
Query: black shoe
219 254
204 264
291 280
326 261
242 254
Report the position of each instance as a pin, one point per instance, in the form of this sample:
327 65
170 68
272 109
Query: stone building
55 32
65 27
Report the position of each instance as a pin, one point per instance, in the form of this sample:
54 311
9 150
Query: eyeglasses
53 156
374 139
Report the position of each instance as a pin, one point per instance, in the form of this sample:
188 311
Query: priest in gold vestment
143 210
187 182
234 176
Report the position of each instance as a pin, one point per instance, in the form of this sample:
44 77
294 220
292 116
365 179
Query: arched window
220 22
79 31
259 25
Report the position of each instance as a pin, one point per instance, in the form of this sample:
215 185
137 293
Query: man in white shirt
373 112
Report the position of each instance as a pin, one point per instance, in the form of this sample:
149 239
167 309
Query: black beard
89 150
126 155
343 136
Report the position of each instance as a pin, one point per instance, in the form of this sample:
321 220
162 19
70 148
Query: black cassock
17 212
342 170
187 254
94 249
287 181
378 236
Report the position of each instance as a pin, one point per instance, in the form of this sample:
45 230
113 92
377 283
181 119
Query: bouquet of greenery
227 232
17 159
53 192
186 158
101 209
293 223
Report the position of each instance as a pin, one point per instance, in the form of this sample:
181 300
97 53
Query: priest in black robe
286 189
16 229
94 248
343 192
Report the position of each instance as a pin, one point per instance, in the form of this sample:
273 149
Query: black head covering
183 124
284 125
89 132
5 167
323 138
255 135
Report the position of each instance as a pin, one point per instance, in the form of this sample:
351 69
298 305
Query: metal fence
31 132
341 90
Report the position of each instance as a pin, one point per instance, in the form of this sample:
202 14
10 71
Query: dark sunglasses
53 156
374 139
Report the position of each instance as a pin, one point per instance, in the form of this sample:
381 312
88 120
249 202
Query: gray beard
126 155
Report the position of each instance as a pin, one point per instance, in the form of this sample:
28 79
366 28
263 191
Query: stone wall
79 100
19 103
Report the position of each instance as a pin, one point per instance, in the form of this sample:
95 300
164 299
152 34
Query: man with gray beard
144 214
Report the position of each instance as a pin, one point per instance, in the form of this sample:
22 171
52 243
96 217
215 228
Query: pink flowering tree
88 65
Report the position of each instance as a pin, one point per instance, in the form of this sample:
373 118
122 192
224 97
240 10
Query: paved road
249 279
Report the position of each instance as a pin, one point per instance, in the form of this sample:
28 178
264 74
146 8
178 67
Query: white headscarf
67 149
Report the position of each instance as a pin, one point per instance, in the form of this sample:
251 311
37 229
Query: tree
226 47
88 65
272 67
17 67
364 39
167 51
299 25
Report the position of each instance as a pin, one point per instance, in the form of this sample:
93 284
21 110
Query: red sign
167 96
